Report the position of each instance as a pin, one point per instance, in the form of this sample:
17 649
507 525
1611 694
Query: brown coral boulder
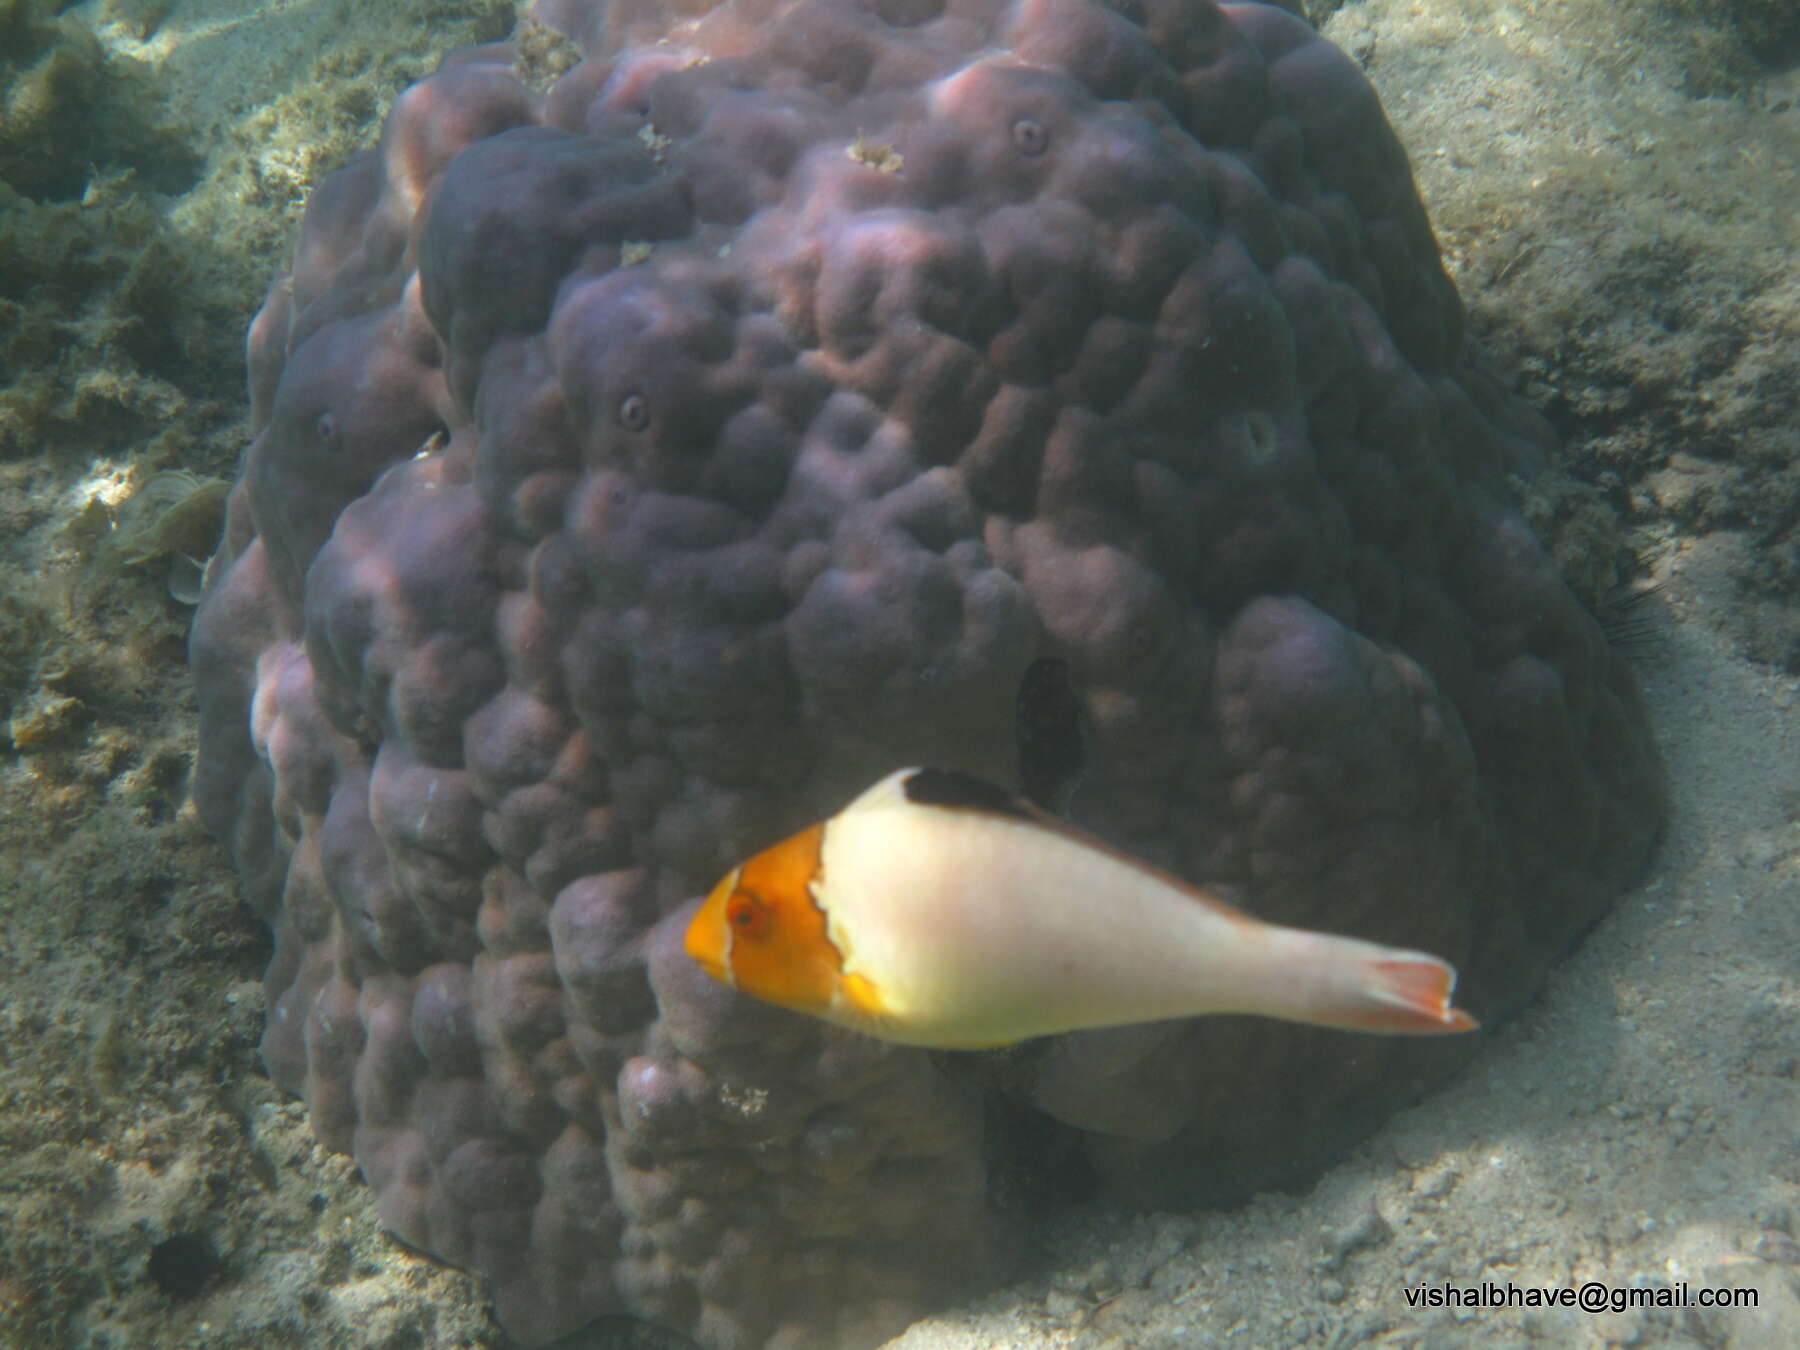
1064 391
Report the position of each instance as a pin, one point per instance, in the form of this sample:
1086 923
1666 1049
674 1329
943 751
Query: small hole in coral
1030 138
1262 435
180 1266
634 412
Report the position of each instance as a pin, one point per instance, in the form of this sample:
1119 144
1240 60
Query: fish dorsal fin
881 794
949 790
958 791
955 790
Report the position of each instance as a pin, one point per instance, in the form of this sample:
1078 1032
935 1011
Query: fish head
762 932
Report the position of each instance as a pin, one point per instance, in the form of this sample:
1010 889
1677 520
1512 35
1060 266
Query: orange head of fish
761 931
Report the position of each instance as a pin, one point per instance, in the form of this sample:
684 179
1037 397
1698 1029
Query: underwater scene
945 674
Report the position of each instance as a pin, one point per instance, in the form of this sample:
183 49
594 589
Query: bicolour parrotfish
939 910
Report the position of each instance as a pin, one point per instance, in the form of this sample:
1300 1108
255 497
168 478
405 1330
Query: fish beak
708 939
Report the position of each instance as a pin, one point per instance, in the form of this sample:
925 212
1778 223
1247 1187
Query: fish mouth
708 937
711 967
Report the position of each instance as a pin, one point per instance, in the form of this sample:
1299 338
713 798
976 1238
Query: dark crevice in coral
1050 739
181 1265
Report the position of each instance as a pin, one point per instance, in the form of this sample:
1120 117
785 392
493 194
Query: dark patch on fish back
958 791
961 791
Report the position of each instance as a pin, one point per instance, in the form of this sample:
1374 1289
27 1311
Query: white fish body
956 917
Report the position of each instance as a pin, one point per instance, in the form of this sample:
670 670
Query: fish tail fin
1360 986
1409 992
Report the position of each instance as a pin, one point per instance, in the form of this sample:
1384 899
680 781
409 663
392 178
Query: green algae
175 511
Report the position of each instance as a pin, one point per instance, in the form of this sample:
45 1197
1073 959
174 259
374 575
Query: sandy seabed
1612 194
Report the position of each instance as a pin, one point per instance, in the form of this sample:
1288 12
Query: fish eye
747 916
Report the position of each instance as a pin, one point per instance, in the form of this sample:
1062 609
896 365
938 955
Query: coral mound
1066 392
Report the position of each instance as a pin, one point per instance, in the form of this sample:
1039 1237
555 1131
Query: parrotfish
939 910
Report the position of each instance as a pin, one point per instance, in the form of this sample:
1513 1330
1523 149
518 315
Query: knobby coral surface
1064 391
